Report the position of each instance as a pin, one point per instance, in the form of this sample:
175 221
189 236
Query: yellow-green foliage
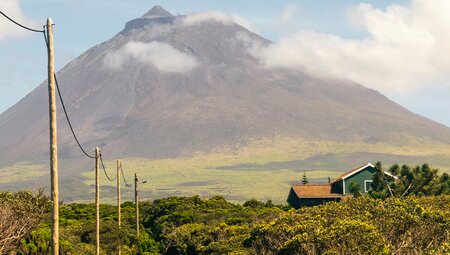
191 225
360 226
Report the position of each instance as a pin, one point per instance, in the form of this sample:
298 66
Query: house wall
359 178
337 187
292 199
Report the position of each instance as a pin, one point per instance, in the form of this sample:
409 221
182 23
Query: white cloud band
406 50
162 56
220 17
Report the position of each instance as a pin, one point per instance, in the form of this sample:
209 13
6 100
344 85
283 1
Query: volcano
171 86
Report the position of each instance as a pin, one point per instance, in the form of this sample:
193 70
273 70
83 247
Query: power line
45 37
56 80
123 176
75 136
64 109
20 25
104 169
62 101
68 121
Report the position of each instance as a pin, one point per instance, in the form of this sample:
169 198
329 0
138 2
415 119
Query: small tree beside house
305 179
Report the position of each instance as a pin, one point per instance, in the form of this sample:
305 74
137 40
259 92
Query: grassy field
22 171
263 169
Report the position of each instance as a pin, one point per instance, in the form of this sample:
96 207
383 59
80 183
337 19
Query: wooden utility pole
119 164
97 202
53 139
136 201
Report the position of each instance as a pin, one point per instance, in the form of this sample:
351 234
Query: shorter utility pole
136 201
119 164
97 202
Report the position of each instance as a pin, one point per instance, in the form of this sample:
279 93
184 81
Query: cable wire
68 120
20 25
56 80
104 169
123 176
64 107
61 99
45 36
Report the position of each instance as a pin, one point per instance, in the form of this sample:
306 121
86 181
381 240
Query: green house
362 176
309 195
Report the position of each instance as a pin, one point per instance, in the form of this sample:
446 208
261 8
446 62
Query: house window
367 186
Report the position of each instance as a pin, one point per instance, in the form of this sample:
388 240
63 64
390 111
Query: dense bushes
360 226
183 225
77 231
20 213
191 225
205 226
407 215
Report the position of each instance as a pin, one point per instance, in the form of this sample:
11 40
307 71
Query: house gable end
337 187
342 183
362 178
293 198
356 171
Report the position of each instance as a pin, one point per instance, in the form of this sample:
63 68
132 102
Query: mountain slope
128 96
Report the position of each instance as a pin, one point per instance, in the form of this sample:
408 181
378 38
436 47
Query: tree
421 180
20 213
354 189
379 183
305 179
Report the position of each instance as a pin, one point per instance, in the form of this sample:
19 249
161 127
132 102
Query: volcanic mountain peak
175 89
156 15
157 12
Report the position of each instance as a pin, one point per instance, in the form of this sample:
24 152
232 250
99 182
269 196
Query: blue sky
385 45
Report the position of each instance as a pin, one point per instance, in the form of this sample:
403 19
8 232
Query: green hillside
263 169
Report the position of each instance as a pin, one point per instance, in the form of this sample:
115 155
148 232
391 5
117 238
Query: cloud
162 56
220 17
406 50
289 11
13 10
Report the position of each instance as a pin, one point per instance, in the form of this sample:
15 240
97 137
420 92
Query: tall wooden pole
136 201
53 140
119 164
97 203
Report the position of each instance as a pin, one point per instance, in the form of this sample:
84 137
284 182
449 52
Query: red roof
314 191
